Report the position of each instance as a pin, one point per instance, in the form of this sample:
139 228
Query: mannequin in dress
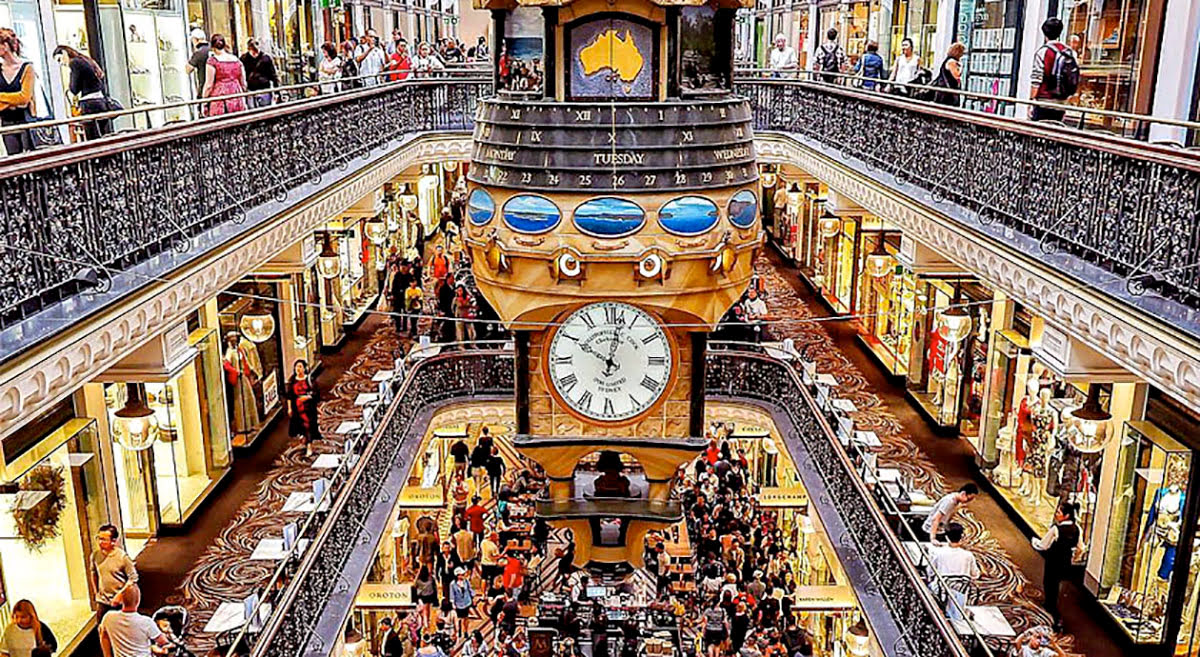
1043 419
1163 521
242 371
1024 430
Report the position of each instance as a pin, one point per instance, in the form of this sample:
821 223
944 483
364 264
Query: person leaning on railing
329 71
89 88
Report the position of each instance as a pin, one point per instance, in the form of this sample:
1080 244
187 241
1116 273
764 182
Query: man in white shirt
126 633
371 60
954 560
783 57
943 512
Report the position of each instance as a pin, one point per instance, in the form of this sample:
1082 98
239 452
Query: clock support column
696 409
521 338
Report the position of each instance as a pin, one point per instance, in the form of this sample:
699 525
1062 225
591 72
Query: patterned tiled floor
1003 583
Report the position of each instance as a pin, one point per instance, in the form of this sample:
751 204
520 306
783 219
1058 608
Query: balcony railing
75 217
924 629
298 598
308 606
1127 207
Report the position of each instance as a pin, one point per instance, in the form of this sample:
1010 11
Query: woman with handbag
17 80
950 77
89 87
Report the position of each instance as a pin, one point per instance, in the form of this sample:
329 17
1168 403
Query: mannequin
1025 430
1163 521
1042 418
242 371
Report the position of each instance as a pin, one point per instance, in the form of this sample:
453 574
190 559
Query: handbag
44 136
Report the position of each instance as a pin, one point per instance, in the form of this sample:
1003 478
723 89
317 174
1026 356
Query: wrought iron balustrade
73 217
304 602
925 630
1129 207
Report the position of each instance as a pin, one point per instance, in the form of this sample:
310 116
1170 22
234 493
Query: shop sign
270 392
417 497
384 595
782 497
451 431
750 431
1073 360
824 598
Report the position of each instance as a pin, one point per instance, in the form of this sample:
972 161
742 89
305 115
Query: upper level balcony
89 224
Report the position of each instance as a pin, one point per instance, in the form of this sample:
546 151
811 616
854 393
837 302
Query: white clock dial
610 361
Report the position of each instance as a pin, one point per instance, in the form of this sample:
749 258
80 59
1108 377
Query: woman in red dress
302 395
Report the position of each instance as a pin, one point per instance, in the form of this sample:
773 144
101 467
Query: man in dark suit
393 645
1058 547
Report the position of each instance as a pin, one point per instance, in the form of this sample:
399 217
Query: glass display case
47 526
164 484
916 20
253 372
1108 42
835 272
1148 506
306 315
156 52
886 310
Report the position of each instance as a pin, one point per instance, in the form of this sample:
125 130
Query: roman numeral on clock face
608 407
656 361
567 383
650 383
585 400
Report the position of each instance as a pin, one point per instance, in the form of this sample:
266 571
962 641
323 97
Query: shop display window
836 271
164 484
992 33
946 375
1148 504
886 310
46 527
306 319
916 20
253 371
1031 446
156 50
1107 40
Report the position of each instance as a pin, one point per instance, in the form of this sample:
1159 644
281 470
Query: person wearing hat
461 598
197 64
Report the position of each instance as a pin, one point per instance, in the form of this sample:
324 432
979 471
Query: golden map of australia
614 52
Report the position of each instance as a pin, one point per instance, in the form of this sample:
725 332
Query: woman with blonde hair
26 635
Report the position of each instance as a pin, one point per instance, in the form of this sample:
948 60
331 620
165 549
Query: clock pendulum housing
612 220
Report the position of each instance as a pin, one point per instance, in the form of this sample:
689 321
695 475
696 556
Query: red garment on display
1024 429
231 372
937 351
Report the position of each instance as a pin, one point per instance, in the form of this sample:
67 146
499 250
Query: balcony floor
1012 569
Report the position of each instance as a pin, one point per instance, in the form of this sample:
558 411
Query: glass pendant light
954 322
135 427
1093 431
858 639
329 264
829 224
794 195
769 178
879 262
258 325
408 200
376 230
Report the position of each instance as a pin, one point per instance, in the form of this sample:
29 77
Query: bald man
126 633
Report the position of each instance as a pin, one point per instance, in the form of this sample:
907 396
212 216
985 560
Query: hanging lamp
135 427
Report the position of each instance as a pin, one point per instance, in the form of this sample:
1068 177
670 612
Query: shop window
165 483
1148 506
946 371
916 20
886 307
253 371
47 524
521 53
992 33
1107 42
701 70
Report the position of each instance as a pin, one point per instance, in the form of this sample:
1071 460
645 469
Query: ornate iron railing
299 607
925 630
1129 207
73 217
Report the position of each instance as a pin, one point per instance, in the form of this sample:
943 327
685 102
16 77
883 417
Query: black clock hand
586 348
610 364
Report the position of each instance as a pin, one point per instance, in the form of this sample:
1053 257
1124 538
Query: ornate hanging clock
610 362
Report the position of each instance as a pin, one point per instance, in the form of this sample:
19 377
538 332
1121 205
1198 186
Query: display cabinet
1148 509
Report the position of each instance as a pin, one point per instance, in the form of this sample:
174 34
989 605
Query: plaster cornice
59 366
1163 357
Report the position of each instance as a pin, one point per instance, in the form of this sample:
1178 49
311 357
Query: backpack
1063 79
829 58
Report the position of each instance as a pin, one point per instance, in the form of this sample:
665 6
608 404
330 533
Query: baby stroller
172 621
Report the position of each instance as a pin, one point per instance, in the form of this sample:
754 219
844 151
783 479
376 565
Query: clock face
610 361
